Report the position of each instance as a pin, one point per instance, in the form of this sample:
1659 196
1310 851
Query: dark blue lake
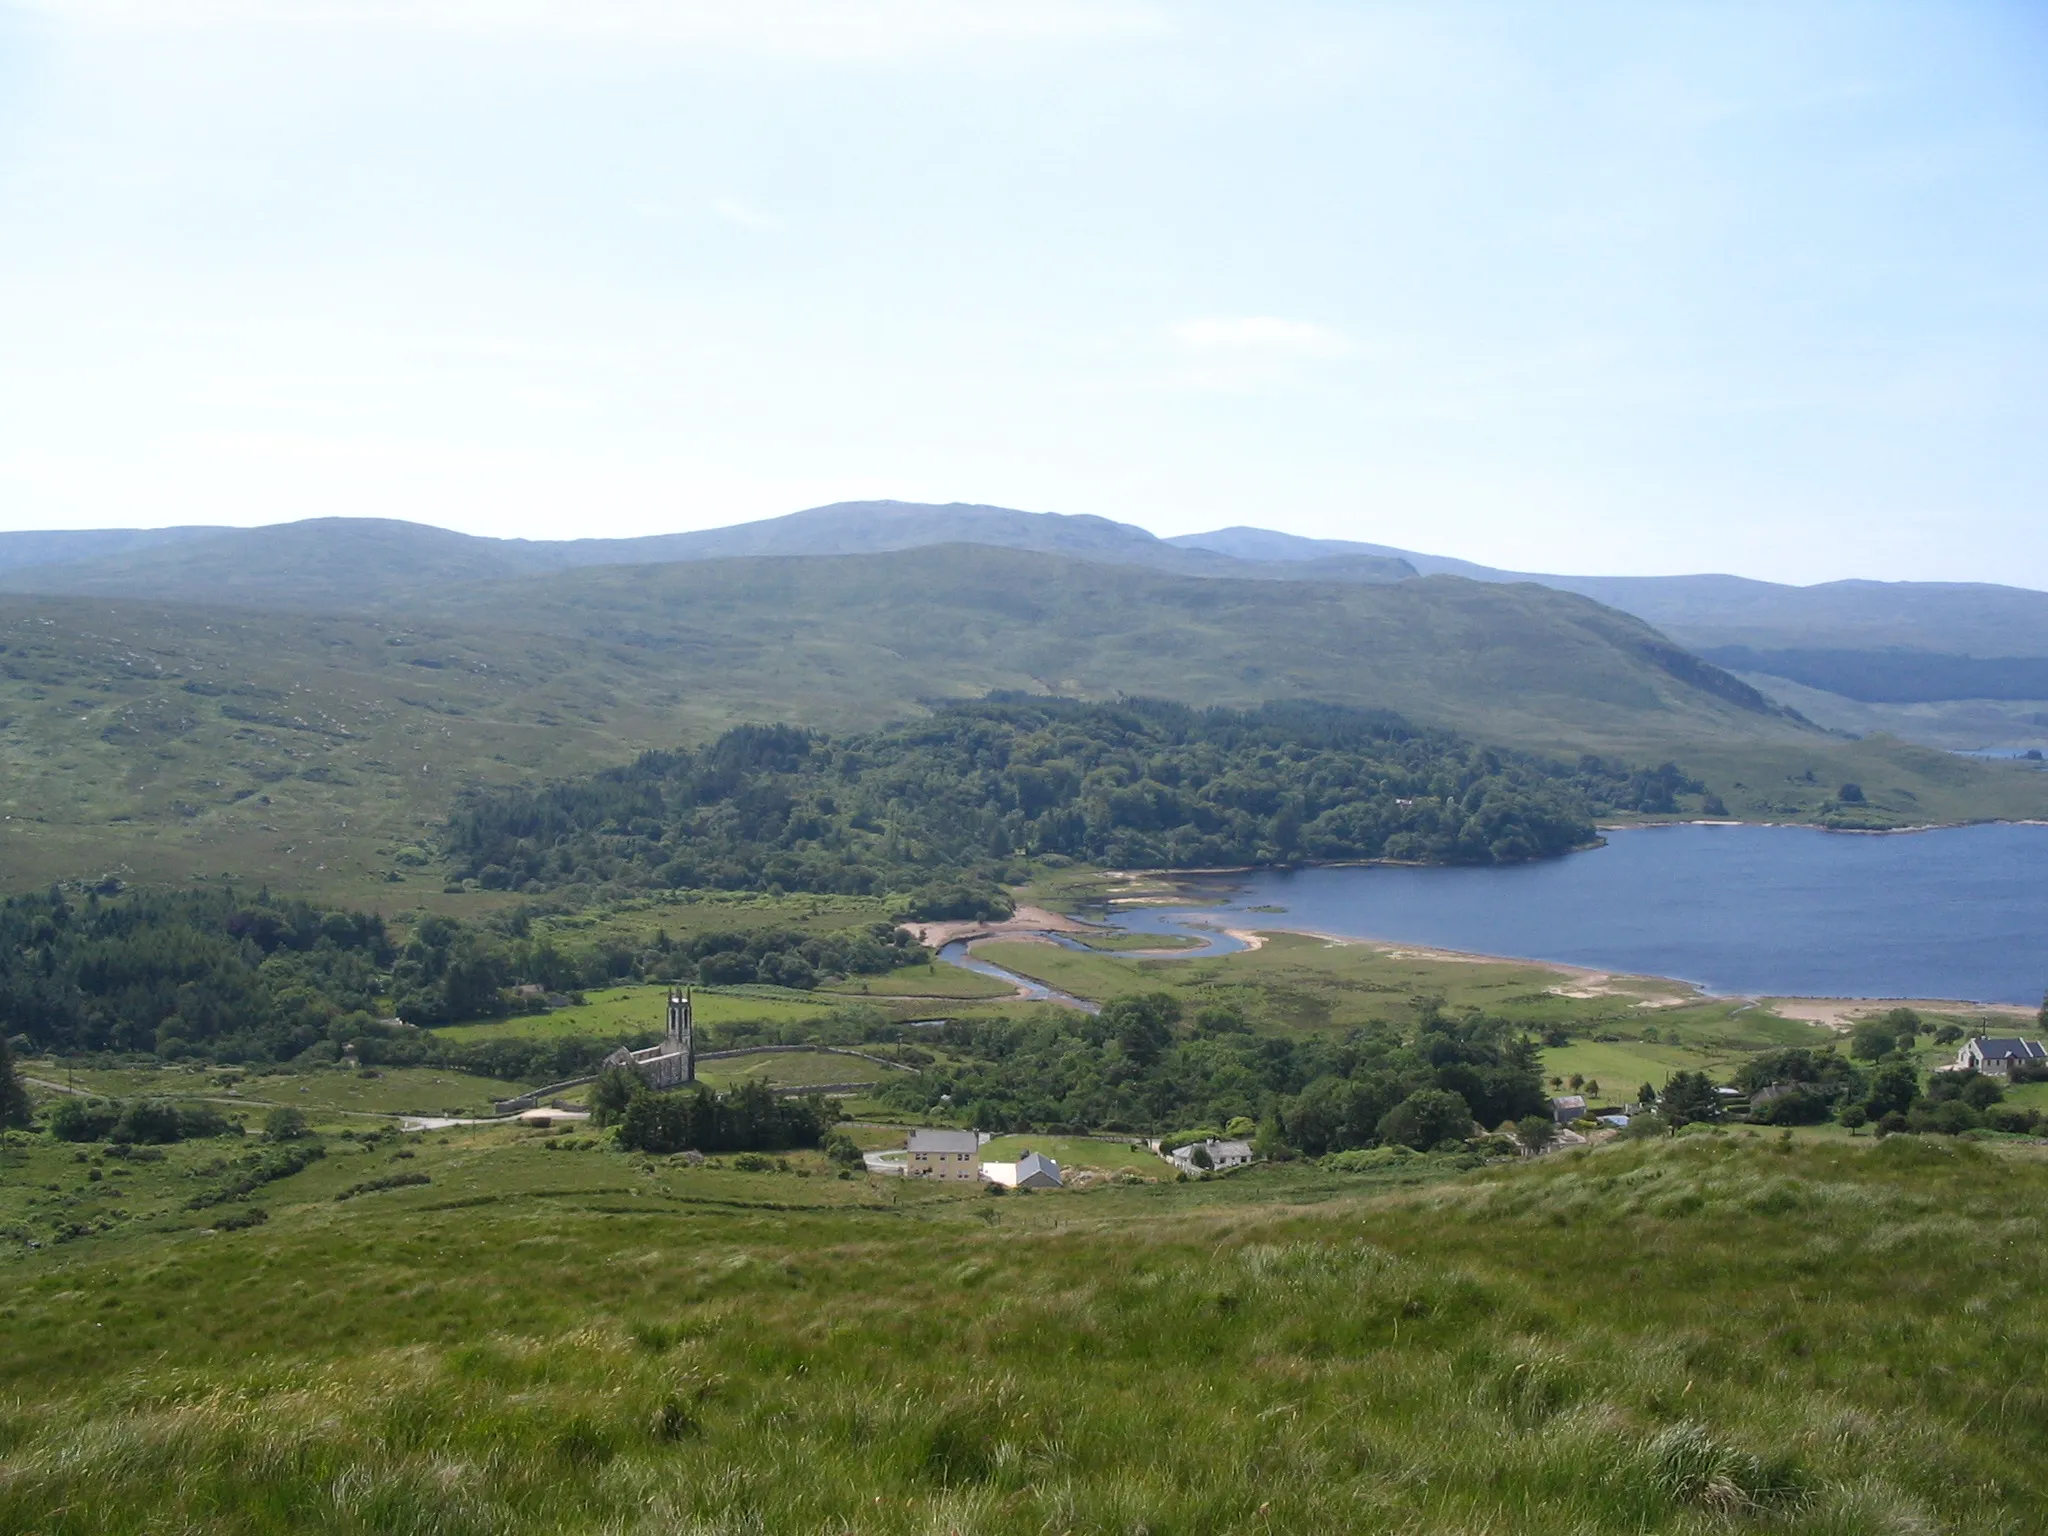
1956 913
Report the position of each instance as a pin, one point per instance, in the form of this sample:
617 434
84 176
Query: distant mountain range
301 701
323 562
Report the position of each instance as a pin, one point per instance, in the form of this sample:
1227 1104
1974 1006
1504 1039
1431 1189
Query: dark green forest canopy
977 788
1139 1066
204 973
213 975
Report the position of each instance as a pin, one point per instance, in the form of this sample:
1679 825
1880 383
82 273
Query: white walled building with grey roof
1032 1170
1996 1057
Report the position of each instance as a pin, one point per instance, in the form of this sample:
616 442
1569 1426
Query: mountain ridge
320 562
355 560
1913 648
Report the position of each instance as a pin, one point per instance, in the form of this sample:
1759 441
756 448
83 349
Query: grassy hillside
1973 618
19 551
1963 725
327 564
321 562
157 740
1727 1333
1970 618
1506 663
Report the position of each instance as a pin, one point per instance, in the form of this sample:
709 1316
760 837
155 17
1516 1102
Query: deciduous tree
1427 1117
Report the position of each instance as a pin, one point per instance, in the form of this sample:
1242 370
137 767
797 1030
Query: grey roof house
1997 1057
1032 1170
943 1155
1220 1154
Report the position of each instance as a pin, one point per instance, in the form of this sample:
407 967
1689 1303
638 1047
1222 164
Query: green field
1726 1333
1300 982
618 1012
933 981
1099 1154
1123 943
793 1069
329 1094
1621 1068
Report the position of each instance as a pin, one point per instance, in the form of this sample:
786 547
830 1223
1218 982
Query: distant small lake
1957 913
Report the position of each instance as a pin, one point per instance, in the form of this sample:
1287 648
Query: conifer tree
14 1105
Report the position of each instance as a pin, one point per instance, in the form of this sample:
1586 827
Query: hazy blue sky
1621 287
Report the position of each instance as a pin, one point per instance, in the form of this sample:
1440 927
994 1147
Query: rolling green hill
1930 662
336 563
1929 659
1978 619
157 740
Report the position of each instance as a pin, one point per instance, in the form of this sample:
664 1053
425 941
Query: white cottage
1997 1057
1032 1170
1218 1154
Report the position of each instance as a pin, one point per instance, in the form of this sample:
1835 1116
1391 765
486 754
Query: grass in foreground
1785 1338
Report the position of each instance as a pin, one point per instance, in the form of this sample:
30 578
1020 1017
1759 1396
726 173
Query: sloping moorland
321 750
1725 1333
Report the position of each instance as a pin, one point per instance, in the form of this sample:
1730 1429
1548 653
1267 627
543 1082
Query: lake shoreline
1719 910
1168 876
1808 1008
1834 1012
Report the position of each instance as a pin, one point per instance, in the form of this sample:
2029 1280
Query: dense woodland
219 976
959 800
204 973
1139 1066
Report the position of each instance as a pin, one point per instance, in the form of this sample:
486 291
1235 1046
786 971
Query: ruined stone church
672 1063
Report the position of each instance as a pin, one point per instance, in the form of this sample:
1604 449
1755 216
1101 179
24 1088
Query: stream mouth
1159 922
960 953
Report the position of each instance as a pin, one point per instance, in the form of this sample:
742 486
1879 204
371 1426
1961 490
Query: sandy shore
1581 981
1574 981
1841 1012
1024 923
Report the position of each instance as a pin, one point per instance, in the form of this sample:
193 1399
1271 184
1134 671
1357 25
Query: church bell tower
682 1036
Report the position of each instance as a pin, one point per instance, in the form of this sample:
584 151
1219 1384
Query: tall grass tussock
1724 1334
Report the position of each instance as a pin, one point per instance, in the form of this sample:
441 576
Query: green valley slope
158 740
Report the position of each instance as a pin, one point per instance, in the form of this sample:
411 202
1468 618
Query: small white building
943 1155
1032 1170
1997 1057
1218 1155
